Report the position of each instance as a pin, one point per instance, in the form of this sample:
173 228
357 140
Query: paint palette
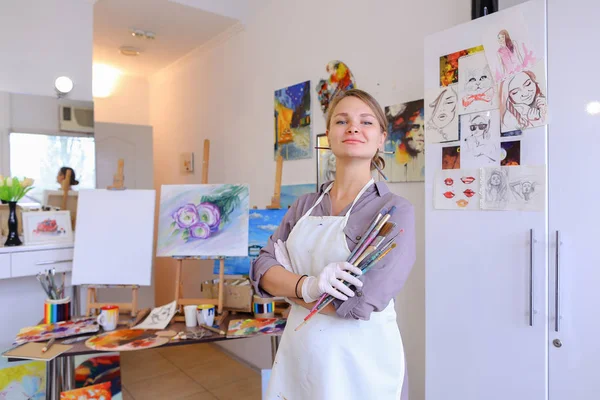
252 327
57 330
126 340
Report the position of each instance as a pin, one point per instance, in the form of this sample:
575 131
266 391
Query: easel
92 294
276 199
66 187
181 301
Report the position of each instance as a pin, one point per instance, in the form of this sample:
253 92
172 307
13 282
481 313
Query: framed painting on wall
325 161
41 227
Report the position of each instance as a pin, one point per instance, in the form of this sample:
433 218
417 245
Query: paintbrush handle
367 233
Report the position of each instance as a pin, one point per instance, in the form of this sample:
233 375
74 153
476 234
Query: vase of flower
11 191
13 226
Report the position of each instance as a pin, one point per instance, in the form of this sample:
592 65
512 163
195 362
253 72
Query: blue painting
289 193
292 122
263 223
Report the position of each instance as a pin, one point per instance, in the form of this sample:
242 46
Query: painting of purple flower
186 216
200 231
210 215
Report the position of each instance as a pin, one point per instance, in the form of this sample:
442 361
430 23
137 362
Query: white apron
330 357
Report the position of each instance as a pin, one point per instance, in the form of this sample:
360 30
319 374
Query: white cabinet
31 262
574 140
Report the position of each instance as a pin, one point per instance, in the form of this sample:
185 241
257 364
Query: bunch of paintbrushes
48 283
366 254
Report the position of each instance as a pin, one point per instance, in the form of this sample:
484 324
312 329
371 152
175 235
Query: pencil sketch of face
496 189
479 128
478 80
495 179
522 89
444 108
527 188
161 315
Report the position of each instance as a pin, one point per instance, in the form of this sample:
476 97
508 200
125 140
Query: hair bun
378 161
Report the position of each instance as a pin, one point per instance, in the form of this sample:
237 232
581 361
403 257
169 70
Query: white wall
39 40
224 92
128 104
42 40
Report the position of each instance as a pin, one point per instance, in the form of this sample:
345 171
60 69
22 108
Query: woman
509 56
62 175
352 349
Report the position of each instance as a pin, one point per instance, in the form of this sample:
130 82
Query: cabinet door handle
531 263
52 262
557 285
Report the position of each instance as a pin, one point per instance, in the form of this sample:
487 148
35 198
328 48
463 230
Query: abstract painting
263 223
26 381
94 369
126 340
57 330
325 162
456 189
513 188
480 139
523 102
476 88
451 157
292 122
252 327
289 193
449 65
340 79
47 227
100 391
508 46
203 220
406 137
510 153
441 115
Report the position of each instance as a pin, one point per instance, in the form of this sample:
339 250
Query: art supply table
60 372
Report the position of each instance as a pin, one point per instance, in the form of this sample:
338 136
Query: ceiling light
63 85
137 33
104 80
593 107
150 35
129 51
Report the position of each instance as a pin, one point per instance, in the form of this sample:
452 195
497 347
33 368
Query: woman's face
354 131
521 89
501 39
60 178
446 109
416 135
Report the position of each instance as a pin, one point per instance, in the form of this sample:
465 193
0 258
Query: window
40 157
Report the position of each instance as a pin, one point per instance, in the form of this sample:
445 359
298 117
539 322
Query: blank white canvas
113 241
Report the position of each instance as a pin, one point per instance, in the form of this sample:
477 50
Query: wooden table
60 372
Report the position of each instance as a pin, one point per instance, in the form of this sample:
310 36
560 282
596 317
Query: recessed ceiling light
137 33
129 51
63 85
150 35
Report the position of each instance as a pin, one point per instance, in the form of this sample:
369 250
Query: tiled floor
201 372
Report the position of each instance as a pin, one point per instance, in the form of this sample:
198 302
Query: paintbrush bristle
387 228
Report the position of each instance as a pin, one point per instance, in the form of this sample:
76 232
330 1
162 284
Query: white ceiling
180 26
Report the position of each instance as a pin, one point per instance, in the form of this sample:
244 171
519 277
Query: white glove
327 282
282 256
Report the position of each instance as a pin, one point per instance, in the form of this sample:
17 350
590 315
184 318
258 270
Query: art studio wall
223 91
129 103
38 46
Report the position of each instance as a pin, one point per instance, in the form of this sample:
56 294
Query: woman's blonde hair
373 105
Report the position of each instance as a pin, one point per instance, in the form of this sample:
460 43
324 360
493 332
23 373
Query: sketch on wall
449 73
523 100
406 137
203 220
514 188
508 46
456 189
480 139
441 116
293 122
476 88
340 79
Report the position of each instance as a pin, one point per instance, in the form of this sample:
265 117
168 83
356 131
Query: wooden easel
66 187
92 295
276 199
181 301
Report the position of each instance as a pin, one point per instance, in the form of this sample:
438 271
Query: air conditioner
76 119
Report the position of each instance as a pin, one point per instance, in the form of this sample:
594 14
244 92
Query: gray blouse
385 280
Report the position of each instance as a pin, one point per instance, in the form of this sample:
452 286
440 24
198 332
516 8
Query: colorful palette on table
100 391
58 330
251 327
126 340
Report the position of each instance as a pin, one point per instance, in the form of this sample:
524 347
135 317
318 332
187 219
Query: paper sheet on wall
441 115
480 139
113 242
513 188
477 90
456 189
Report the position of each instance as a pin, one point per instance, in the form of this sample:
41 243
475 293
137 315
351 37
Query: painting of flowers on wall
203 220
292 122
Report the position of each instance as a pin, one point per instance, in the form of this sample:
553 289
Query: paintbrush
372 235
382 253
385 230
365 235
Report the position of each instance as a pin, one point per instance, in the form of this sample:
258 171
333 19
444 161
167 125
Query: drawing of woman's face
526 187
501 39
495 179
416 135
479 126
521 89
446 109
